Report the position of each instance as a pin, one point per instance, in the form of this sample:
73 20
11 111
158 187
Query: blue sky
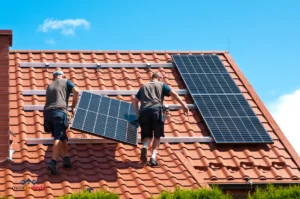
264 35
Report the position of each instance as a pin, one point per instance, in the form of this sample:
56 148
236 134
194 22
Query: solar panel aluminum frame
106 137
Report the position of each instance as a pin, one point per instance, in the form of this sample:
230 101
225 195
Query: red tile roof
116 166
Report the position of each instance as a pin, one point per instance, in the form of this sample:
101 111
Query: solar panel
234 105
105 117
222 105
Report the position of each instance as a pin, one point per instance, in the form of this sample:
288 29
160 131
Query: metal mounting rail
100 92
95 65
48 141
41 107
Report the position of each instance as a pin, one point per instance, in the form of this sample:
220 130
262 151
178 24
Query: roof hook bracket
46 66
98 67
148 67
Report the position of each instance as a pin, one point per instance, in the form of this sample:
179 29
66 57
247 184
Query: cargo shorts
151 122
56 122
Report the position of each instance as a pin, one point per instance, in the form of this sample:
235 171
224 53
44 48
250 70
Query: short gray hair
156 75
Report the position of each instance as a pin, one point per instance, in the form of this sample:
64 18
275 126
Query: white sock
154 154
145 145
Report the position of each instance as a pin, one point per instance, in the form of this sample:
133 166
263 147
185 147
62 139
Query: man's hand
73 111
186 110
178 99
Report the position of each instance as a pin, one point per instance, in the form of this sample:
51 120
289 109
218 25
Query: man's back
57 94
152 94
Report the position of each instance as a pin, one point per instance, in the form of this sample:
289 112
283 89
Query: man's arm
178 99
135 104
75 92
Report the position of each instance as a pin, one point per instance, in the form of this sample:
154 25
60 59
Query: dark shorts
56 122
151 122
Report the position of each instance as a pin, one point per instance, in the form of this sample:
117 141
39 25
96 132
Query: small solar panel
106 117
202 83
234 105
223 106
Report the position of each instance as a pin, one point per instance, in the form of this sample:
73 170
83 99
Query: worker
151 114
56 117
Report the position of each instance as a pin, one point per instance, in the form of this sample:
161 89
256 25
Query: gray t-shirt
152 94
57 94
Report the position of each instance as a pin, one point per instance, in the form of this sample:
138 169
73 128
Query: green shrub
201 193
276 192
100 194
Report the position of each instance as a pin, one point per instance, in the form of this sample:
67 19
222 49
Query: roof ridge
120 51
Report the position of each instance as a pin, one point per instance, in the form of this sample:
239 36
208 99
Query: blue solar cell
84 100
114 108
111 126
90 120
94 103
79 118
124 110
100 124
131 135
104 105
121 130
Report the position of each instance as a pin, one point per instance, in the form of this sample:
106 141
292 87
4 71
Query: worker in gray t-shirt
56 118
151 95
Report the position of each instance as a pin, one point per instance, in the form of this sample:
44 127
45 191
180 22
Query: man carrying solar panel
151 118
56 118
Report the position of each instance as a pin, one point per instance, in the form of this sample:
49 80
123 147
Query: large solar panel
106 117
222 105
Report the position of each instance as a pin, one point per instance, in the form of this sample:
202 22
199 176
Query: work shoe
52 168
153 162
67 162
144 154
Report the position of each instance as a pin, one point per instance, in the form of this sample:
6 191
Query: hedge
270 192
100 194
276 192
179 193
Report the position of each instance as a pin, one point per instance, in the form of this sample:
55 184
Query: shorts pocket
66 121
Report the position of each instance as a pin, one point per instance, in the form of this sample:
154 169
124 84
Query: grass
100 194
179 193
276 192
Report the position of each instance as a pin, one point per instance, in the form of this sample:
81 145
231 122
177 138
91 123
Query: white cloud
286 112
50 41
66 26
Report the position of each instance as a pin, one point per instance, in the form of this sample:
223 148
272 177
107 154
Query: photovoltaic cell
105 117
224 108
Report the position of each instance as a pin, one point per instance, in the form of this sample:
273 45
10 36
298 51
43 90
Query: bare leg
56 149
156 143
147 140
155 146
64 148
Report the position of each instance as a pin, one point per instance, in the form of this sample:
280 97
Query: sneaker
52 168
144 154
153 162
67 162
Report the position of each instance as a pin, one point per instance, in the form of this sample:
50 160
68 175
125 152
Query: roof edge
264 110
247 186
121 51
